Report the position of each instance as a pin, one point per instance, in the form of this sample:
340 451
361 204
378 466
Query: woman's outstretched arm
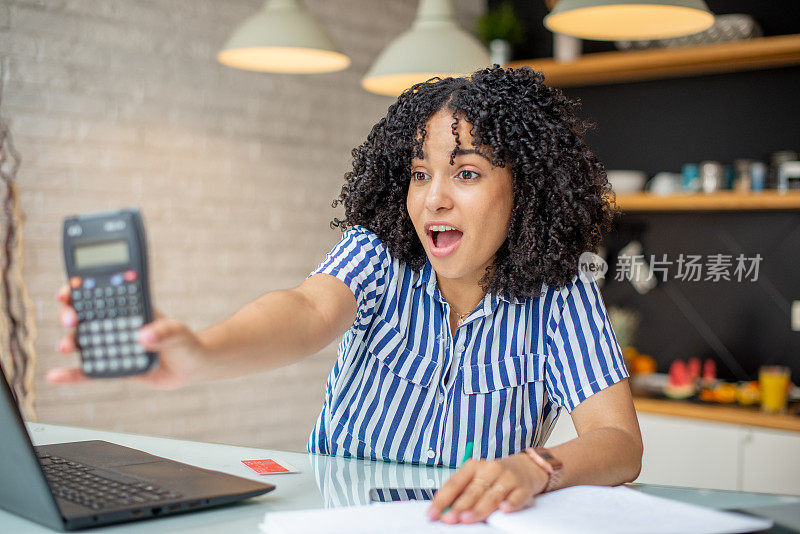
276 329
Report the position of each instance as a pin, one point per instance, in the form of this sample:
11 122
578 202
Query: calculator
401 494
106 261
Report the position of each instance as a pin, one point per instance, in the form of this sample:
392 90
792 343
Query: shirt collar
422 276
427 277
510 300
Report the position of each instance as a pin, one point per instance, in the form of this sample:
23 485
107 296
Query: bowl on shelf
627 181
665 184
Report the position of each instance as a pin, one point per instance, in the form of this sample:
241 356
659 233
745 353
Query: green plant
624 322
501 23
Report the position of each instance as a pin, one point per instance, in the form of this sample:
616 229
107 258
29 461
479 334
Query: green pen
467 453
467 456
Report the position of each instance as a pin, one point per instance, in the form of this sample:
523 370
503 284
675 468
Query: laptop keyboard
77 483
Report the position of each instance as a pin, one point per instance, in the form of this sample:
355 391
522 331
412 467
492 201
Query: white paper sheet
620 510
389 518
576 510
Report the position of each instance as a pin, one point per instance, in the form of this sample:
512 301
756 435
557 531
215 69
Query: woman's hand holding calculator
181 352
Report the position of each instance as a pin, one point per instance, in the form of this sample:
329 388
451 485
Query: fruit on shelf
642 364
707 395
709 371
748 393
680 384
725 393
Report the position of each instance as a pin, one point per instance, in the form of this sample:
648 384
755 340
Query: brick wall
116 103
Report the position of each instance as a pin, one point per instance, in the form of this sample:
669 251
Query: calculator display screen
109 253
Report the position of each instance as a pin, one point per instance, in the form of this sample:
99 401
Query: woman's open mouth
443 240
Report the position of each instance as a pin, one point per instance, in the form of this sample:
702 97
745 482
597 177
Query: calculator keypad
108 320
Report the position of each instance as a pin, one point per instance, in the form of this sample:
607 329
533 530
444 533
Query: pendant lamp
282 38
434 46
629 20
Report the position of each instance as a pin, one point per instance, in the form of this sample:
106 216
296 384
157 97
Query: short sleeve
361 261
584 356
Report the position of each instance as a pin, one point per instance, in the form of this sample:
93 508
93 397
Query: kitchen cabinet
638 65
680 451
771 461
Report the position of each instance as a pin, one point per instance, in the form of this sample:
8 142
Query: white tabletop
323 481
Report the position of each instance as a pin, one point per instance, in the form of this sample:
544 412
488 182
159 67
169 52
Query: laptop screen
24 490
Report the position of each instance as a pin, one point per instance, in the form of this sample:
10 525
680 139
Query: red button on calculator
131 276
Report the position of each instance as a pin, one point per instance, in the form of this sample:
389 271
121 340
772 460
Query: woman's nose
438 195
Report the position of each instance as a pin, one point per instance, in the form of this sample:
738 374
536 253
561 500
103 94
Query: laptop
69 486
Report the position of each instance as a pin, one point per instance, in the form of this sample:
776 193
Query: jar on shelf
789 176
758 176
775 160
711 176
690 177
743 177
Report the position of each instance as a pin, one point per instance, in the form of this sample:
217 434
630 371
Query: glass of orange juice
773 380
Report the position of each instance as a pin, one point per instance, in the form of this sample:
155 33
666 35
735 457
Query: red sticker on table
268 467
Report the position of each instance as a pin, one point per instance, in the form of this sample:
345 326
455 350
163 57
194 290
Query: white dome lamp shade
434 46
282 38
629 20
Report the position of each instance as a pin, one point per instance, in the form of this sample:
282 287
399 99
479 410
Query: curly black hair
561 193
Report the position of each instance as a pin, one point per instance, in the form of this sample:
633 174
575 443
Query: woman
454 286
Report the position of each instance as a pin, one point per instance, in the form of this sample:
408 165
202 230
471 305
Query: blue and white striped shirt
404 389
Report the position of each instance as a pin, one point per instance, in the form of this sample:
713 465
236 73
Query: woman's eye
418 175
468 175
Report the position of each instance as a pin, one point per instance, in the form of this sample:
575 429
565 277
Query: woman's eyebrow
458 152
465 151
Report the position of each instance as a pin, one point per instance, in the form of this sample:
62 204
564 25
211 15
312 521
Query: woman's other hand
482 486
181 353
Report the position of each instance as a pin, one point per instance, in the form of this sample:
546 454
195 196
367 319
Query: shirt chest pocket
506 398
509 372
388 345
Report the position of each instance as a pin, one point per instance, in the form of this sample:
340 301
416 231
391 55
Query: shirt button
440 397
431 454
459 348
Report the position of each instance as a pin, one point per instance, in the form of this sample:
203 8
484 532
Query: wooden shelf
723 414
626 66
720 201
